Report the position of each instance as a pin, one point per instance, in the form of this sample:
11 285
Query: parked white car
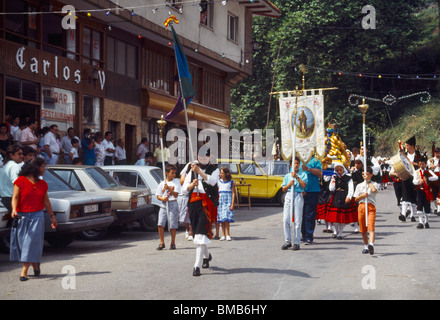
128 204
139 177
75 212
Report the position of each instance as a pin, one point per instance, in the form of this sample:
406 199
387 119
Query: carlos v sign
52 67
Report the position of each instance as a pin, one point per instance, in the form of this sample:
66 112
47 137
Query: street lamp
363 108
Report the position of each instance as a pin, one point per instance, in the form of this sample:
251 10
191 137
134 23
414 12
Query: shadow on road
292 273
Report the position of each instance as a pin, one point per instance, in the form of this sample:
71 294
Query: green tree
329 35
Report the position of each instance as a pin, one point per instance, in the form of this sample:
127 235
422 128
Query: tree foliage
329 35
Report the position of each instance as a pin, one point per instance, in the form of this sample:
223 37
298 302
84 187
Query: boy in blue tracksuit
298 179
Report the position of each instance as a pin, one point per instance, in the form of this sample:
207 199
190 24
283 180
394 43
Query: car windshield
157 174
102 179
54 183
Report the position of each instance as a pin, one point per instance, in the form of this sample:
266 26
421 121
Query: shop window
91 113
22 89
92 42
213 90
232 27
207 13
58 107
122 57
53 37
110 54
156 70
22 29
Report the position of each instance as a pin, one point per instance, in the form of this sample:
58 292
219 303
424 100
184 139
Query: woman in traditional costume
343 208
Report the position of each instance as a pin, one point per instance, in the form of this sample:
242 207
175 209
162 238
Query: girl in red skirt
342 209
324 202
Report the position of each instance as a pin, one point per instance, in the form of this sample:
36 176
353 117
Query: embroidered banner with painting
310 132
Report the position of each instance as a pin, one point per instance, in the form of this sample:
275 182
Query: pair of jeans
298 204
309 216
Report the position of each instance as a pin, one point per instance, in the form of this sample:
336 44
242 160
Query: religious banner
310 131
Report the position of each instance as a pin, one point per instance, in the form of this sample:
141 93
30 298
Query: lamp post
363 108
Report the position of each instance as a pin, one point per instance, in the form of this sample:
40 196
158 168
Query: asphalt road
250 267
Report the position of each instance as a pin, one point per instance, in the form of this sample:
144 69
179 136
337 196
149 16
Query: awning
154 105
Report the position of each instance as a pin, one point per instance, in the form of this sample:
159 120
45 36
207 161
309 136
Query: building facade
115 70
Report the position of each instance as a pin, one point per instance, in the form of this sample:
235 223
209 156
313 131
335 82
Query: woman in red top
28 203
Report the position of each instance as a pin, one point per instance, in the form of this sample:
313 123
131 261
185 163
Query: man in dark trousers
313 169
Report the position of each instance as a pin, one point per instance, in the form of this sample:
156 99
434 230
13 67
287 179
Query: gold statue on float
335 149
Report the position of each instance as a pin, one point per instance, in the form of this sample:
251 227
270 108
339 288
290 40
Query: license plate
141 201
90 208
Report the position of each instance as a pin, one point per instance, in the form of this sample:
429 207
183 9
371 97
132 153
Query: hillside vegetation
419 119
327 37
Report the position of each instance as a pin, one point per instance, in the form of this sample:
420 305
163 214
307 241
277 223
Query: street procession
219 150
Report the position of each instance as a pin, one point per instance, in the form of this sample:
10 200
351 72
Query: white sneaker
228 238
190 238
186 234
222 238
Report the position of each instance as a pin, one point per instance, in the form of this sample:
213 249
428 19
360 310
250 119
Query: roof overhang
261 8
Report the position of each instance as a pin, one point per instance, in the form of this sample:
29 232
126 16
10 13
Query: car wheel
61 241
149 223
5 244
93 234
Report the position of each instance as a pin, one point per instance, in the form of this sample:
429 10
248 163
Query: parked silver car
140 177
75 212
128 204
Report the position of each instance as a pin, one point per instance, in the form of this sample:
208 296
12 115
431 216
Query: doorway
130 142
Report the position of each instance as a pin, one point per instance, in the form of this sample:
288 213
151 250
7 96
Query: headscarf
339 164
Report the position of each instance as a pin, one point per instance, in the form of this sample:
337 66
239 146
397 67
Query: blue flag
187 89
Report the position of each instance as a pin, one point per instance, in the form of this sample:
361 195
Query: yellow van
263 186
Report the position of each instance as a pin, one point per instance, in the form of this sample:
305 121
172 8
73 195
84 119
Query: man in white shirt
9 173
109 149
120 153
51 146
28 137
142 149
66 144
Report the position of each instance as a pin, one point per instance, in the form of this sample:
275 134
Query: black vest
211 191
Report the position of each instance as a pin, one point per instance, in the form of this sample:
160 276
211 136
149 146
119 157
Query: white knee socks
201 253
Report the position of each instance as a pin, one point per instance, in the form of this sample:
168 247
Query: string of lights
389 99
425 76
155 8
178 5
